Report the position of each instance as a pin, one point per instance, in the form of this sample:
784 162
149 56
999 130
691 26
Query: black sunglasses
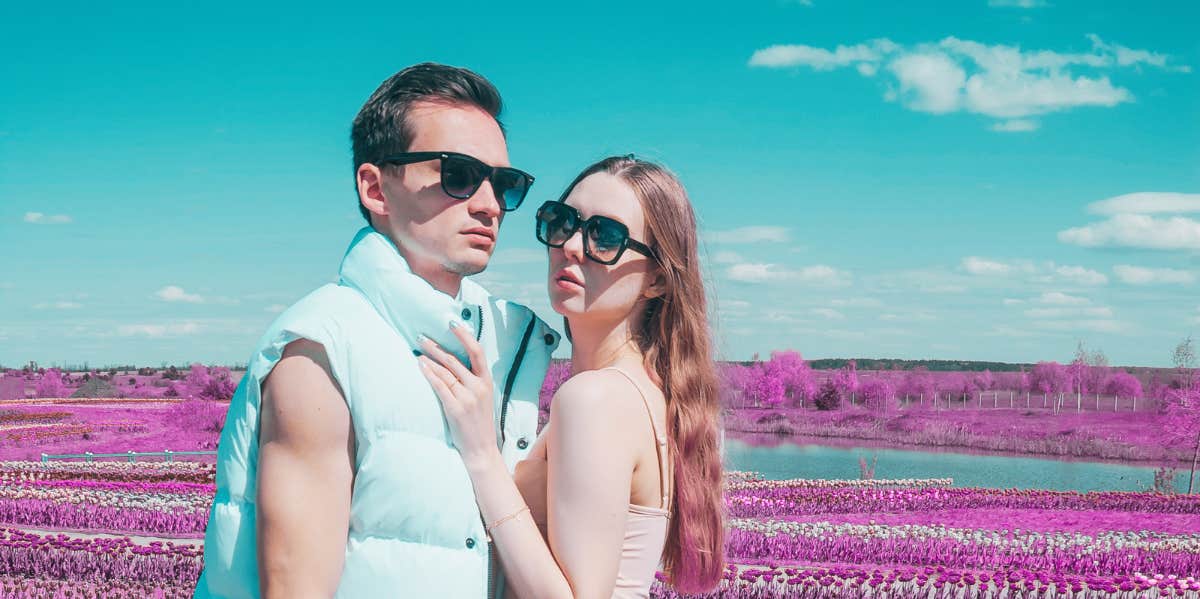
462 175
604 238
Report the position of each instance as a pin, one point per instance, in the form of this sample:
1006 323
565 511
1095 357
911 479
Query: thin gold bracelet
489 528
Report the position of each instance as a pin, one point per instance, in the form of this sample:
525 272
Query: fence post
1078 401
1134 403
1097 402
1010 399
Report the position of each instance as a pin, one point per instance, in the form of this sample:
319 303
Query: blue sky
992 180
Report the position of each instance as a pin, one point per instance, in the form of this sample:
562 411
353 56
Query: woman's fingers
474 351
444 358
438 371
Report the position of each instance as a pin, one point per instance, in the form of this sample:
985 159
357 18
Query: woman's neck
596 347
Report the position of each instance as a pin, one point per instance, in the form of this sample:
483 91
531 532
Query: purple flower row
811 582
1047 554
26 588
61 557
51 514
788 501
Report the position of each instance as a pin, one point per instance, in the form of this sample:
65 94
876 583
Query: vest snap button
549 339
470 543
522 443
466 314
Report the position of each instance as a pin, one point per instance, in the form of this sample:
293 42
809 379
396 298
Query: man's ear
370 189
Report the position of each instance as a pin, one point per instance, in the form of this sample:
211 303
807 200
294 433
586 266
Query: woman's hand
466 396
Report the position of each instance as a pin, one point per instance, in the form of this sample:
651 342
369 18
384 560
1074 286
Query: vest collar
407 302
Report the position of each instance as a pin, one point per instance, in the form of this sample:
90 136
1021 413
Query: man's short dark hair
382 128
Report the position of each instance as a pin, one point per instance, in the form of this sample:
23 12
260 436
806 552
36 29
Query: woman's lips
565 279
567 284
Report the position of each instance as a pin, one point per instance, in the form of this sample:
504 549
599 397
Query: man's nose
484 201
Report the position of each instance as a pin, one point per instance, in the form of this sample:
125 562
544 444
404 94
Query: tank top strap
659 437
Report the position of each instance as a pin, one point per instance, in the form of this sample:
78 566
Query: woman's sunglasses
604 239
462 175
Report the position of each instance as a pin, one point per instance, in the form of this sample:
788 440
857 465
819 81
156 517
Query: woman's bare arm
305 475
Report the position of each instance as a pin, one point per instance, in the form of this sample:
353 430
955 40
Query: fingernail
454 324
417 352
422 339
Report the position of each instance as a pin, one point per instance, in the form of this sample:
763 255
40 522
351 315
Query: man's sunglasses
604 239
462 175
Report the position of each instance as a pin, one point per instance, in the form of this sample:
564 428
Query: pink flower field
120 528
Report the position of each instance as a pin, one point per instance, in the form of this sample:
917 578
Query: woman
627 471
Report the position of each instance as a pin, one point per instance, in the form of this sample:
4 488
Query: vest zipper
508 384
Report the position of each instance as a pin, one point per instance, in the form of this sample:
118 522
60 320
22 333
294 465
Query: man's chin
469 263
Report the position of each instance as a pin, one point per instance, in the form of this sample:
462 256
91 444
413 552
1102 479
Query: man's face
433 229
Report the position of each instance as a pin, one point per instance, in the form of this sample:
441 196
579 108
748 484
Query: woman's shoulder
602 396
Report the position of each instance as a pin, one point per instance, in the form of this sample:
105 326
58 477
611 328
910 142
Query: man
336 473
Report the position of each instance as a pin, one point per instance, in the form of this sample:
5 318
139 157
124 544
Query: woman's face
583 289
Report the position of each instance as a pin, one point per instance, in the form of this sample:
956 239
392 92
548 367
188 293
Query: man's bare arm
305 475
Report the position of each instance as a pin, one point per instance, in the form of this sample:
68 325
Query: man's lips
482 232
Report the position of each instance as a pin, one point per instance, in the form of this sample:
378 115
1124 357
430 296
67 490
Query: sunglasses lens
461 176
511 187
556 223
606 237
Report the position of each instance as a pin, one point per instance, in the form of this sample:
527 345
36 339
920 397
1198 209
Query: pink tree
52 384
1183 428
878 396
1123 384
797 378
985 381
1050 377
767 387
846 379
918 383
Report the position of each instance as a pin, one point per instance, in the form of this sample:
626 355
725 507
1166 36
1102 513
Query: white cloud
751 234
984 267
1000 81
1147 202
754 273
275 308
1008 301
823 275
59 305
1137 231
171 293
1137 275
930 82
727 258
1081 275
1015 126
1059 298
158 330
37 218
759 273
792 55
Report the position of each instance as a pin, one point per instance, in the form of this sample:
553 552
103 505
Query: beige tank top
645 527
